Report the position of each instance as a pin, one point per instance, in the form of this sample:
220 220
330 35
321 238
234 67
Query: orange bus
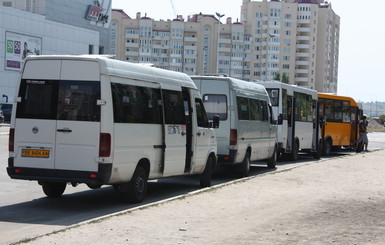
340 116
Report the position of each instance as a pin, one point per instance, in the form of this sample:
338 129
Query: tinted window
133 104
77 101
215 104
201 114
255 110
274 96
174 109
61 100
243 108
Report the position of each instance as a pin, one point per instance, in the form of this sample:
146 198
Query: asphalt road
25 211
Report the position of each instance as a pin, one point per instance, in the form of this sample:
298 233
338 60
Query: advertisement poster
18 47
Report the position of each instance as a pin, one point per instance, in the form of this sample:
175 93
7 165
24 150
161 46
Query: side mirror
280 119
216 121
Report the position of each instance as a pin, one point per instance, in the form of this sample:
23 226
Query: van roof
236 84
120 68
296 88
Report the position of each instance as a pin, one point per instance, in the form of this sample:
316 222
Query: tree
285 78
277 77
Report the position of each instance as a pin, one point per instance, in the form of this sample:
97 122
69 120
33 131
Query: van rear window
59 100
216 104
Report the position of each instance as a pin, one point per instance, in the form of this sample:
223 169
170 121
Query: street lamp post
219 31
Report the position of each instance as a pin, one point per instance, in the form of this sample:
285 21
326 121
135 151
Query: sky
361 72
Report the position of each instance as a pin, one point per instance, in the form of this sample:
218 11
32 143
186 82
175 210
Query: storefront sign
100 12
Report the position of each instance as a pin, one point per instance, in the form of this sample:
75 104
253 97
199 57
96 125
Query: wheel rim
140 185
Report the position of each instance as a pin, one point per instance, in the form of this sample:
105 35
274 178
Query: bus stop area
337 200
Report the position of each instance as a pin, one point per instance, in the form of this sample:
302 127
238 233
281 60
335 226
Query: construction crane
173 8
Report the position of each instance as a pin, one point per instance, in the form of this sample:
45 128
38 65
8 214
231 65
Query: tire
137 187
318 153
360 146
327 147
273 159
53 189
294 152
205 178
245 166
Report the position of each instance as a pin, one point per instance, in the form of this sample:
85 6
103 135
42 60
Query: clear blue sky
362 38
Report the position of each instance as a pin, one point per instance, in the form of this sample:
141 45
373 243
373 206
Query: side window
243 108
216 104
255 110
274 96
284 104
133 104
264 111
201 114
174 108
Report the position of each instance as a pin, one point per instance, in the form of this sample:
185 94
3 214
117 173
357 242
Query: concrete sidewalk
334 201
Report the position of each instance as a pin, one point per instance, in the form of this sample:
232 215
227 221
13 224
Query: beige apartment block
295 38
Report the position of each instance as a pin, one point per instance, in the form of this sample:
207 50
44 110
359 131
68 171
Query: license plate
35 153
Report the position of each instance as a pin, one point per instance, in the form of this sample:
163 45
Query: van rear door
57 124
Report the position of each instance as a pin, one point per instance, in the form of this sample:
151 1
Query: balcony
131 45
303 46
303 29
301 79
302 54
302 71
302 63
190 39
132 53
132 35
303 38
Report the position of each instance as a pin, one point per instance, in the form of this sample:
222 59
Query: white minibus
100 121
296 108
247 131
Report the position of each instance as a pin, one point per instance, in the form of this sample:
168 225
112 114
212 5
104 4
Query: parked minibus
340 127
247 131
100 121
296 107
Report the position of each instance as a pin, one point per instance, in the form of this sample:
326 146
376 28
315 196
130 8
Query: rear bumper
102 176
228 159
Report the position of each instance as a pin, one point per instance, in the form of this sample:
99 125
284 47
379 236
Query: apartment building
298 39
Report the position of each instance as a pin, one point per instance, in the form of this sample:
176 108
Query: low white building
29 33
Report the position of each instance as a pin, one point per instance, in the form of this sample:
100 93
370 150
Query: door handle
199 133
64 130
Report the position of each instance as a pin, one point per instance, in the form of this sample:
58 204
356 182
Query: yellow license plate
35 153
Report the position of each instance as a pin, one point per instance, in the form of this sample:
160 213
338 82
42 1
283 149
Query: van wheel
294 153
137 188
317 154
327 148
245 166
53 189
273 159
205 178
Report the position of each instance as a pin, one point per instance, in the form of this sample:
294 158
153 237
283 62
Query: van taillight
11 140
105 145
233 137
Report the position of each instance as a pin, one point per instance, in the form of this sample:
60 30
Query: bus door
321 114
354 124
290 123
315 125
174 131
